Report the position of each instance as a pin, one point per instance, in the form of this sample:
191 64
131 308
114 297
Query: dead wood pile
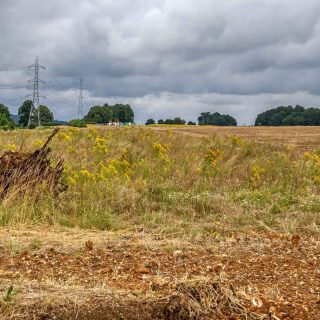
22 173
207 300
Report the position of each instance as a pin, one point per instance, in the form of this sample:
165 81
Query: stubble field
166 223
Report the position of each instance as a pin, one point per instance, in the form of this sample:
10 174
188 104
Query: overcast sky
166 58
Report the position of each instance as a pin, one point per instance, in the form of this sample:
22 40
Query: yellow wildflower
212 156
11 147
257 172
39 143
162 151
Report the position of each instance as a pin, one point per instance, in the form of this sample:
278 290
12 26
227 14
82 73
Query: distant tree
216 119
5 111
289 116
24 112
149 122
176 120
123 112
5 123
46 116
161 121
106 113
190 123
98 114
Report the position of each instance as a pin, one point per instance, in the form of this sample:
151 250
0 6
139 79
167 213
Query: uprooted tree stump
22 173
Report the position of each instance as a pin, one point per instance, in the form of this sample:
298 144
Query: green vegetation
289 116
176 120
106 113
6 123
174 183
216 119
9 294
78 123
150 122
46 116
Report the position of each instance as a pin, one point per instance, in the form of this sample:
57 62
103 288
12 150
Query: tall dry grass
170 183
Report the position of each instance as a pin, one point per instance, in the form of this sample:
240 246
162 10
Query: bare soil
77 274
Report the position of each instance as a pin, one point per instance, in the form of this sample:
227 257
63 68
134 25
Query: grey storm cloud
165 57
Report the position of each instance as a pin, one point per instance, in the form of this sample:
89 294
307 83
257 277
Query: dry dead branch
22 173
207 300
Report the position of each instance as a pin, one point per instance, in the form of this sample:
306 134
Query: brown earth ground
302 137
77 274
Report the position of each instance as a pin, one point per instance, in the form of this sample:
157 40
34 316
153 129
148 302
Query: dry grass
182 185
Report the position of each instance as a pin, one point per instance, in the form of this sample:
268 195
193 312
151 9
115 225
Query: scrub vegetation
137 176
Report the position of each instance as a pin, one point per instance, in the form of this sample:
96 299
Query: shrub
79 123
5 123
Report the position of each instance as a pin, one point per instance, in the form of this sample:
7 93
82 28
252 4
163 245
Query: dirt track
73 274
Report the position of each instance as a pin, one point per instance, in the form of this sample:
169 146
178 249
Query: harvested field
302 137
68 274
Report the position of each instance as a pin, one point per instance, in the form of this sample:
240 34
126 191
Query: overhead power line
18 86
13 69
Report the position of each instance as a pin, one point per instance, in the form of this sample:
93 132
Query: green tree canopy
123 112
289 116
106 113
216 119
6 122
149 122
46 116
5 111
24 112
176 120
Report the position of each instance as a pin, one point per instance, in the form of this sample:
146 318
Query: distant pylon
35 110
80 108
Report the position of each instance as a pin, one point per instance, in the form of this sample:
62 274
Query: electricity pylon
35 110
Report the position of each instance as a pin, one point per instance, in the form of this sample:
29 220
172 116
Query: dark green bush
79 123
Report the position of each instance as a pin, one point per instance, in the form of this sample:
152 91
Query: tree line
176 120
279 116
206 118
289 116
96 114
